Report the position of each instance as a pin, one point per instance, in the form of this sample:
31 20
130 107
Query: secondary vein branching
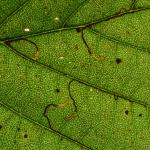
73 77
83 27
41 125
69 89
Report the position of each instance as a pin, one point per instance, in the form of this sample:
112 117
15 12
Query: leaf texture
75 73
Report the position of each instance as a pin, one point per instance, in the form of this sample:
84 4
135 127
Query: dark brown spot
57 90
78 29
0 126
126 112
18 129
25 136
118 60
140 115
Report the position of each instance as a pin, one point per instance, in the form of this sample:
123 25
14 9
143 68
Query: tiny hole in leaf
0 126
118 60
25 136
140 115
126 112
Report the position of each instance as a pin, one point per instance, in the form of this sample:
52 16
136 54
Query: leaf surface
80 68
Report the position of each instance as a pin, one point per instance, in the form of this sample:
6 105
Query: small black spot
126 112
140 115
0 126
25 136
118 60
18 129
57 90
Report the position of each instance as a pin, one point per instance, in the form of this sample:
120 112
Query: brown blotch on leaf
98 58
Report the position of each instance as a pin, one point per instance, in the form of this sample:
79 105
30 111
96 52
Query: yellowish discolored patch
98 58
71 116
35 55
66 103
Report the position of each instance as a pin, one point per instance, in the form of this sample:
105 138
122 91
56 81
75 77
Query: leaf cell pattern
78 76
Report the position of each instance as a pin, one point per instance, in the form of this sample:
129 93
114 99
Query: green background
75 74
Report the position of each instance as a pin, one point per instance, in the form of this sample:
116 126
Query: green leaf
75 74
18 132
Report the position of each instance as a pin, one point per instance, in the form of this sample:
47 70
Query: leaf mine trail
69 117
34 57
97 58
35 53
50 106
